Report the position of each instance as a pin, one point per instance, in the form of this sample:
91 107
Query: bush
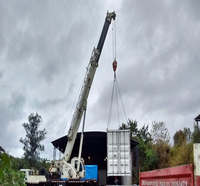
9 175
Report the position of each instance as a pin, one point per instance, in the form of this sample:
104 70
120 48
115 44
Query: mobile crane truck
74 170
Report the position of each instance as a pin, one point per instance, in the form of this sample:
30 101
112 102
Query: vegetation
33 138
155 150
154 146
10 167
9 175
196 134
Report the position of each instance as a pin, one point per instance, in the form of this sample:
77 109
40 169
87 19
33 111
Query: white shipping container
118 153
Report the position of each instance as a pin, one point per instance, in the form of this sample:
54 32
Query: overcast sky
45 47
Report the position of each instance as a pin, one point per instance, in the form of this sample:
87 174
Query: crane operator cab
79 166
73 170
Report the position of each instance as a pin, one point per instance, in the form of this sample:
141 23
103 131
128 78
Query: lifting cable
116 97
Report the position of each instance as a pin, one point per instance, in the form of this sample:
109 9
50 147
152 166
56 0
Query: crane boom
82 101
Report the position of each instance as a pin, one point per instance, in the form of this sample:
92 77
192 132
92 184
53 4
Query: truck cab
31 177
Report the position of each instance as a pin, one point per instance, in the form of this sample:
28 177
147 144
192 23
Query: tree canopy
196 133
32 141
9 175
155 148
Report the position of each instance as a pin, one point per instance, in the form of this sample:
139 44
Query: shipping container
173 176
118 153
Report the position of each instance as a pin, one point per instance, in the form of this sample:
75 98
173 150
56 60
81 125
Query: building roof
197 118
94 147
1 150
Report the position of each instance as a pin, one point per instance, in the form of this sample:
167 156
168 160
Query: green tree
33 138
196 134
188 134
136 133
160 136
182 137
148 159
162 150
179 138
180 155
132 125
182 151
144 134
147 155
8 174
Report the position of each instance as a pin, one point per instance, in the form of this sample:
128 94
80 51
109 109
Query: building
2 150
95 151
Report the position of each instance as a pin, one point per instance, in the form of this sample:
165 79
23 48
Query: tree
180 155
182 151
162 150
160 133
196 134
33 138
136 133
179 138
8 174
147 155
144 134
132 125
188 134
161 145
182 137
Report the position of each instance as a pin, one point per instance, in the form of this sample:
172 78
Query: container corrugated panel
173 176
118 153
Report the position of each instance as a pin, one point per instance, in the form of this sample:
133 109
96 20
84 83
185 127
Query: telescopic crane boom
70 170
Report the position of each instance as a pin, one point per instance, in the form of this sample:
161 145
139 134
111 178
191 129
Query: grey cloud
45 47
193 8
48 103
1 75
11 111
50 34
161 52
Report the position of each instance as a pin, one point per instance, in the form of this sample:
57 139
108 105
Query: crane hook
114 65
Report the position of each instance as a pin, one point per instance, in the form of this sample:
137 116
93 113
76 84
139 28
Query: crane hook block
114 65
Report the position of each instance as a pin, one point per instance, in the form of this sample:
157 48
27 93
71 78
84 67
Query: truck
69 168
30 177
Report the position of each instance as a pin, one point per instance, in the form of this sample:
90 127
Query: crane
75 168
